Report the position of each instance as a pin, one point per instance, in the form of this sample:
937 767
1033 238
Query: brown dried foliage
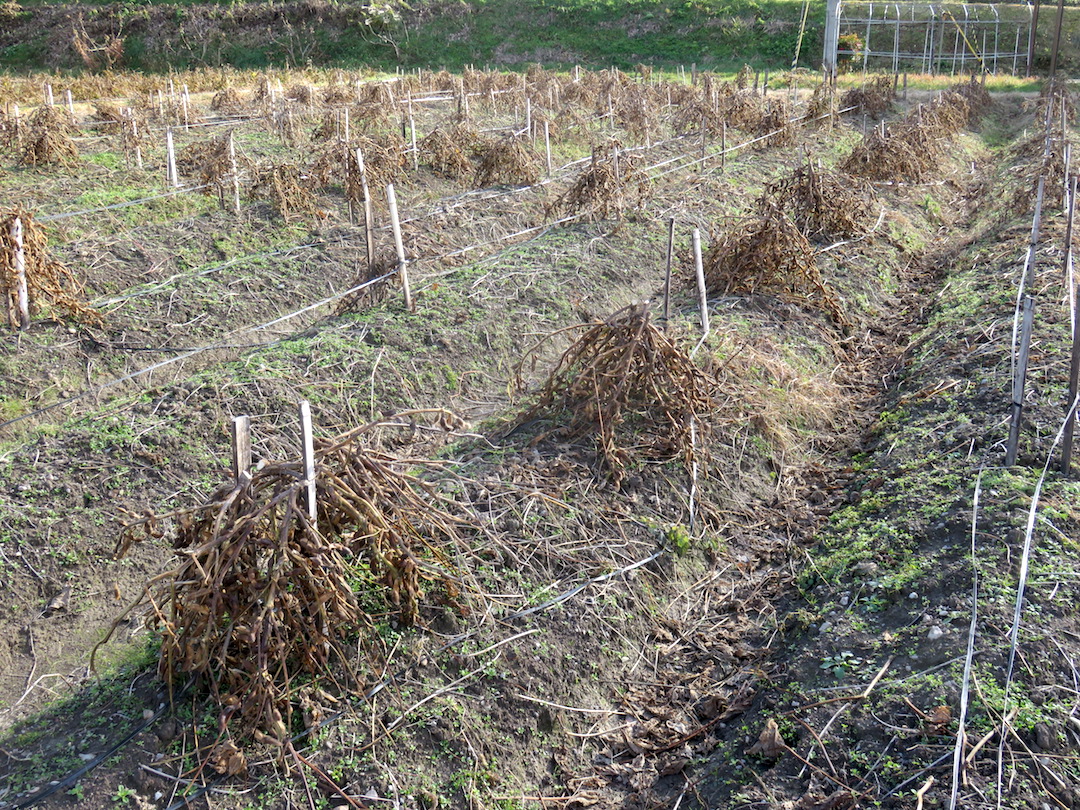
47 139
822 204
48 282
822 106
447 151
873 98
610 183
627 384
209 161
768 255
286 187
263 597
509 161
775 124
227 101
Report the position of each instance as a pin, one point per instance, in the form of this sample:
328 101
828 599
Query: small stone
147 714
825 627
865 568
844 600
86 757
935 633
913 595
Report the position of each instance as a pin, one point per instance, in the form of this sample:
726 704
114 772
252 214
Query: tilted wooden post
547 146
403 265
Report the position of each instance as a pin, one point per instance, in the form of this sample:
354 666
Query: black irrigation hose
72 778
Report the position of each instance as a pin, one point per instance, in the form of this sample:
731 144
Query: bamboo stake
70 105
395 224
412 138
723 145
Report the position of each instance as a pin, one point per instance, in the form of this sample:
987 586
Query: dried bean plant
264 599
628 385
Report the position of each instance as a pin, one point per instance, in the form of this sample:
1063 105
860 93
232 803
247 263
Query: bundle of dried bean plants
263 598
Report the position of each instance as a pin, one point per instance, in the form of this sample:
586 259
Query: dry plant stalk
263 599
110 117
285 186
768 255
611 180
508 162
873 98
48 138
822 204
384 162
11 130
628 384
48 282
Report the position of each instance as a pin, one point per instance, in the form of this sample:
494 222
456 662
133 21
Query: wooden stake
1070 281
308 440
667 270
403 266
704 135
241 449
723 145
1074 377
369 223
235 174
528 117
184 108
70 105
547 146
20 273
699 269
171 177
1019 381
48 94
412 139
345 124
